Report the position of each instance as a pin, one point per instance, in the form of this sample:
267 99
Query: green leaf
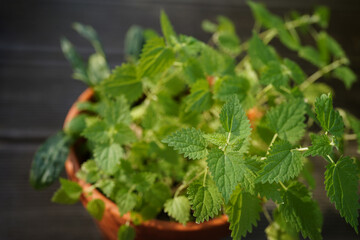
215 63
229 43
269 191
233 117
189 142
49 160
98 69
143 181
90 34
320 146
229 169
69 192
346 75
96 208
126 233
199 98
330 120
232 85
125 200
206 200
282 164
123 81
274 73
312 55
122 134
77 63
259 53
208 26
219 139
166 27
157 194
301 211
89 172
287 120
244 212
97 132
76 125
107 156
279 229
342 184
155 58
117 111
263 16
296 73
324 15
134 41
178 208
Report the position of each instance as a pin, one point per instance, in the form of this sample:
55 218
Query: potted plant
187 136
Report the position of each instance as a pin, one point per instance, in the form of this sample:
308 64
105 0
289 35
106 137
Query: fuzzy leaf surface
320 146
178 208
189 142
287 120
244 212
342 184
330 120
107 157
205 200
301 211
282 164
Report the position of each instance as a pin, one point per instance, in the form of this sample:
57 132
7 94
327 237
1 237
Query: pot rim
72 166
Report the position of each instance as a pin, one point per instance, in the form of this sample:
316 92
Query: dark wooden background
36 90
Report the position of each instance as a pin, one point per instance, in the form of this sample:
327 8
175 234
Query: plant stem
272 142
318 74
302 149
283 186
266 214
332 161
204 181
184 185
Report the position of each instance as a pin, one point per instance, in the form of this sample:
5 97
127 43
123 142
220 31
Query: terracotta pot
216 228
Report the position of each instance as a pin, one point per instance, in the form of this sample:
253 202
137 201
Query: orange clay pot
216 228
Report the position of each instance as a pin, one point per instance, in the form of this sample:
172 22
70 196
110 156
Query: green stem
318 74
272 142
331 160
283 186
266 214
302 149
184 185
204 181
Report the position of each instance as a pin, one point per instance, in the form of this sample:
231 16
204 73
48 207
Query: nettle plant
245 121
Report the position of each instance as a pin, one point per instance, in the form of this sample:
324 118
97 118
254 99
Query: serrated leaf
122 134
126 232
117 111
125 200
320 146
296 73
229 42
224 170
205 200
287 120
69 192
199 98
77 63
166 27
49 160
229 169
244 212
155 58
233 117
282 164
189 142
98 69
232 85
346 75
312 55
123 81
90 34
218 139
96 208
259 53
301 211
330 120
269 191
274 73
157 194
96 132
215 63
342 184
143 181
107 156
178 208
